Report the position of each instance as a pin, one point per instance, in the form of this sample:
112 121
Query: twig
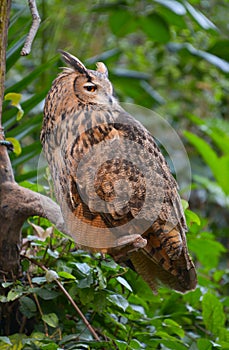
38 304
33 29
85 321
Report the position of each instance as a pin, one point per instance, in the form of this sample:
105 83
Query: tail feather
165 259
183 281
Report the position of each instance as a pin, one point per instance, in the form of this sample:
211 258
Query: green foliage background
169 56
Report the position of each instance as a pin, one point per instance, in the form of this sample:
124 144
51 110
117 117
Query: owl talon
7 144
121 252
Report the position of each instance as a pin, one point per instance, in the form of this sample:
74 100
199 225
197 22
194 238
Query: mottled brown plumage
115 189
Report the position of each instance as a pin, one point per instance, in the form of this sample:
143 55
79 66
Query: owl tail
181 279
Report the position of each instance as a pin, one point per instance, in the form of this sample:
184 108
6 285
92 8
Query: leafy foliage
163 54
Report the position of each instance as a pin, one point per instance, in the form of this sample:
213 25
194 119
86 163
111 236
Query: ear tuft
101 68
73 61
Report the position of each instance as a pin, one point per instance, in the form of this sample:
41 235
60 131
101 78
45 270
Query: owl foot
126 246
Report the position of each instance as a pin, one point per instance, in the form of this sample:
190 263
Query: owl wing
165 258
118 167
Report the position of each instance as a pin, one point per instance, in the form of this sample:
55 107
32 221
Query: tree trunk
16 203
10 236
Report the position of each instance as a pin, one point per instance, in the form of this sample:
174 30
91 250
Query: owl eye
90 87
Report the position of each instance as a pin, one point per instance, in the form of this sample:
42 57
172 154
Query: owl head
90 86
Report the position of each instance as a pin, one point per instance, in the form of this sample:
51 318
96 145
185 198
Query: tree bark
16 203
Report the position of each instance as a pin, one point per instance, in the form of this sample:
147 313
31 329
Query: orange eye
90 87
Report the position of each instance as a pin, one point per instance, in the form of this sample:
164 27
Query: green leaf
213 313
122 22
174 6
87 296
207 250
219 133
39 280
119 301
66 275
192 217
199 17
174 327
3 299
16 145
6 284
51 346
100 278
85 282
122 345
15 342
222 173
215 191
84 268
165 336
204 344
15 99
155 27
110 264
32 186
45 293
51 319
100 301
203 148
27 306
14 294
123 282
5 340
218 165
173 344
215 60
13 53
24 83
220 48
135 344
53 253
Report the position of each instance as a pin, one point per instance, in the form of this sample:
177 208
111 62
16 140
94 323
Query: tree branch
33 29
29 203
16 205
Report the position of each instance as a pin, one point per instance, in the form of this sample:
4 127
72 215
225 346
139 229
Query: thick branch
27 203
16 205
34 28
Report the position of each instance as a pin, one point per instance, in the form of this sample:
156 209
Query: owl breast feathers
113 185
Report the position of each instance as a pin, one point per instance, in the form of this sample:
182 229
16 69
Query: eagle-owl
114 187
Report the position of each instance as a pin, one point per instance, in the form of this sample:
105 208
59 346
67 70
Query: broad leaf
202 20
174 6
28 307
15 99
213 313
119 301
16 145
51 319
155 27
